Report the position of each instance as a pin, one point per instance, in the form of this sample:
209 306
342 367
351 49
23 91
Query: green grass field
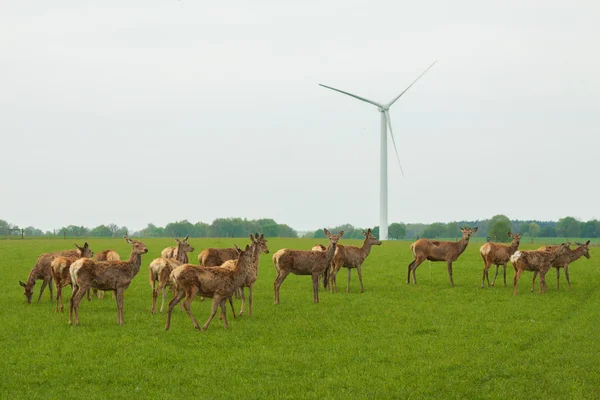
393 341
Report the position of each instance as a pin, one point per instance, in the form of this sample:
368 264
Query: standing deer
105 275
536 260
171 252
499 254
160 270
215 257
351 257
43 270
260 246
565 260
218 283
105 255
301 262
434 250
61 276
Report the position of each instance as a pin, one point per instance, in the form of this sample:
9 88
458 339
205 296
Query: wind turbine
385 122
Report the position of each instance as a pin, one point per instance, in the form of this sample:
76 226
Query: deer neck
330 251
181 255
241 270
512 249
462 245
135 260
576 254
366 248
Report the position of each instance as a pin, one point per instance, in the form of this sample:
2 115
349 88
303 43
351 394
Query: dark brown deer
536 260
171 252
351 257
43 270
260 246
216 257
105 275
218 283
565 260
105 255
434 250
61 276
160 270
303 262
498 254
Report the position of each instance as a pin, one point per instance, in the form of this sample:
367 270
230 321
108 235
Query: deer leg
495 276
517 276
42 290
542 281
164 296
187 305
348 284
359 271
315 279
450 273
76 299
215 305
176 299
89 295
566 276
250 299
231 304
558 276
243 303
410 269
281 275
413 267
535 273
119 292
504 274
485 275
50 288
74 292
224 312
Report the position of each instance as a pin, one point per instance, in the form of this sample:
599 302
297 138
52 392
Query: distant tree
396 231
287 231
568 227
452 230
533 230
4 227
500 225
375 232
101 231
524 228
547 231
435 230
590 229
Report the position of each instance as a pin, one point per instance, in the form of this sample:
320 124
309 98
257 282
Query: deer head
261 243
467 232
586 248
137 247
333 239
244 255
370 239
85 251
184 246
516 239
28 292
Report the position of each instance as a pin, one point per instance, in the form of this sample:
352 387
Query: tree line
496 228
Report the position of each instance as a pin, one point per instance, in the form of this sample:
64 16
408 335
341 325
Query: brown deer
302 262
61 276
536 260
498 254
565 260
105 275
260 246
43 270
434 250
215 257
218 283
160 270
171 252
105 255
351 257
318 247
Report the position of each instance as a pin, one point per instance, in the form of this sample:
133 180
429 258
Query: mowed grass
393 341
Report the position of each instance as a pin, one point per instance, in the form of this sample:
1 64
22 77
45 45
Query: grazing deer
171 252
301 262
260 246
216 257
105 275
218 283
536 260
160 270
499 254
565 260
60 273
105 255
351 257
318 247
43 270
434 250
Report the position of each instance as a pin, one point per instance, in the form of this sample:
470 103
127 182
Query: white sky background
154 111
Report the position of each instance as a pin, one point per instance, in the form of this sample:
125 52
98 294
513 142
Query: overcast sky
154 111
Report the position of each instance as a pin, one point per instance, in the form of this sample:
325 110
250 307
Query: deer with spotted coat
564 261
537 261
498 254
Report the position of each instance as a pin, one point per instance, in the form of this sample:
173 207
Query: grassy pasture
393 341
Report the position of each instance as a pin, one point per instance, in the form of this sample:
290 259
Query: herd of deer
223 273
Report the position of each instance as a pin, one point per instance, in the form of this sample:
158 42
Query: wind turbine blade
389 122
355 96
415 81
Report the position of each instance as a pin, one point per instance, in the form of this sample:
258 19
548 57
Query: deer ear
22 284
247 248
341 234
252 237
475 230
127 239
76 245
327 233
365 233
262 235
510 234
186 238
587 243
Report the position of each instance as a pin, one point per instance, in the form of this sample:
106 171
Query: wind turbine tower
385 122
